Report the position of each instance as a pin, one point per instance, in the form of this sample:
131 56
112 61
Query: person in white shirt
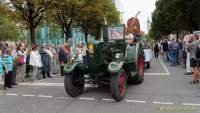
35 61
79 51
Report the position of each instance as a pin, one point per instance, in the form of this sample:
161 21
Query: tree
95 13
173 16
65 12
8 29
89 14
32 11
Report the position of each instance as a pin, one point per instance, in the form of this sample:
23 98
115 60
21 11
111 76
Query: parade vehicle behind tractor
110 61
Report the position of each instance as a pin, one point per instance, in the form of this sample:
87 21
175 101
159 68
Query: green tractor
110 62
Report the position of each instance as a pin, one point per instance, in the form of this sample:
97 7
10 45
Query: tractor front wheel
118 85
74 83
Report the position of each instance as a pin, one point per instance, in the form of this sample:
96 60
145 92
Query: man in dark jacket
63 57
46 61
156 49
165 50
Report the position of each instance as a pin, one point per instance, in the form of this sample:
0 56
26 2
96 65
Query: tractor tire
74 83
140 66
118 85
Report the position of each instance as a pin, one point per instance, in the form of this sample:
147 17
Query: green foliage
8 29
95 13
89 14
172 16
32 13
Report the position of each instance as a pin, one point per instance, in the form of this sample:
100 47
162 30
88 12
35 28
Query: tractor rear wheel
139 76
118 85
140 67
74 83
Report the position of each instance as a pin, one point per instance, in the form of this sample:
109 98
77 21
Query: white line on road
45 96
166 103
107 99
85 98
11 94
135 101
51 84
157 74
163 103
64 98
42 84
166 70
190 104
156 102
27 95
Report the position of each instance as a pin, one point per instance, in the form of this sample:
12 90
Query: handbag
20 60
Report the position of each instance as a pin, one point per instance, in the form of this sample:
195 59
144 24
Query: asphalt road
165 90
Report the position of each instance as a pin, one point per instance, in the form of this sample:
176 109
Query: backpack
197 53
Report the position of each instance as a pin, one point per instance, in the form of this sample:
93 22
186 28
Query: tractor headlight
118 55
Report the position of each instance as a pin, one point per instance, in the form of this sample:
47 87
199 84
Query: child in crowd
8 60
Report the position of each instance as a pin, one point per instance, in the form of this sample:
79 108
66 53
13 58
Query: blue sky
131 7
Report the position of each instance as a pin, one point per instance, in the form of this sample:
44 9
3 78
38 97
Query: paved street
164 88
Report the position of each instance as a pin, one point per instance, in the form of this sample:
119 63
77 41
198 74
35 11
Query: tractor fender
68 68
115 67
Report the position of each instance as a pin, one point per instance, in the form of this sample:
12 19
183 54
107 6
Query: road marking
84 98
135 101
11 94
163 103
42 84
63 97
166 103
190 104
157 74
156 102
165 68
107 99
45 96
50 84
27 95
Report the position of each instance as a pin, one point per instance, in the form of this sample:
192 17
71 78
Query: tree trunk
33 38
177 35
68 33
86 36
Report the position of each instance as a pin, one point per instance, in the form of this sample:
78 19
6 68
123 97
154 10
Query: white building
148 25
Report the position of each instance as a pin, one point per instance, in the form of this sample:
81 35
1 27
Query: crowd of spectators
183 51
